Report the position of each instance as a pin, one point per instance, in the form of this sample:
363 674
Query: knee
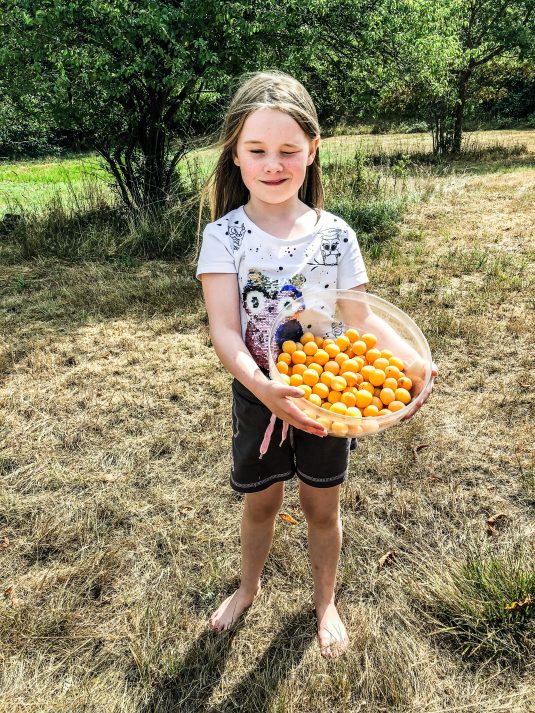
322 519
263 506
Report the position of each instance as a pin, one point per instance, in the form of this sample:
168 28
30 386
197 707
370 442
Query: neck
290 209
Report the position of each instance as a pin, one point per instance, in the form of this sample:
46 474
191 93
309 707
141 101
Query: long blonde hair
257 90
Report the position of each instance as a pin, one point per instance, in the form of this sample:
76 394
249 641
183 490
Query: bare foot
332 634
231 609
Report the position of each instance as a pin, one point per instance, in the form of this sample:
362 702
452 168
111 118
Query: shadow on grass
203 667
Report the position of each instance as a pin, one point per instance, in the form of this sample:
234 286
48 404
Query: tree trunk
458 113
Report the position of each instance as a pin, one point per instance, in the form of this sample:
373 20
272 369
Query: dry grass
120 533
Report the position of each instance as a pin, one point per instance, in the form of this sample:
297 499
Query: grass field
119 533
30 184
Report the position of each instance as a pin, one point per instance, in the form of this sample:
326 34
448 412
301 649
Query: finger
294 392
316 430
309 424
298 419
312 426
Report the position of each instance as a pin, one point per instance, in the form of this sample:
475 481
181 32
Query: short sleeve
351 268
215 254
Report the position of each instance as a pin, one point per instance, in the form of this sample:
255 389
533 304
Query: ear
235 158
314 145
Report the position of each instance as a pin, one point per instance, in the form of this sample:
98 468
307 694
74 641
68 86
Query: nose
272 164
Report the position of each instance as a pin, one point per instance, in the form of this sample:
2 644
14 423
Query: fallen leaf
436 477
287 518
8 592
491 530
387 558
186 509
515 606
419 447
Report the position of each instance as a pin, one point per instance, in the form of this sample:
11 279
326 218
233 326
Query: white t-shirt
276 273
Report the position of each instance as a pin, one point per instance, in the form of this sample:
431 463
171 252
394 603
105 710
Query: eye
255 301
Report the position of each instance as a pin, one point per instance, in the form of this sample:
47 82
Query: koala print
330 243
237 235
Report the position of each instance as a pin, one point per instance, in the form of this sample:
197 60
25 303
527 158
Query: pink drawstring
269 432
284 432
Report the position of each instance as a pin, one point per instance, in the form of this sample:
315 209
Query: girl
269 241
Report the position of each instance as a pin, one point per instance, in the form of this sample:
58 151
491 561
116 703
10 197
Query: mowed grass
120 532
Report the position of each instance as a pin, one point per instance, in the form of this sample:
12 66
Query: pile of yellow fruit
347 375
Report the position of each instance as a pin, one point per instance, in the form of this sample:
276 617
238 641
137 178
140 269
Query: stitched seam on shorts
260 482
235 420
322 480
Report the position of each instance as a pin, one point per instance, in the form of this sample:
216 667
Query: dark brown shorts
319 462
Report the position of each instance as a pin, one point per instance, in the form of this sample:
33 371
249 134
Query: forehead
270 125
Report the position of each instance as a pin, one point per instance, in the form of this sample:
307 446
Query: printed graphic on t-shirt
330 244
262 298
274 272
236 235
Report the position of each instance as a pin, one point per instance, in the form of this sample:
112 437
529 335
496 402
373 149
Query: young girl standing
269 241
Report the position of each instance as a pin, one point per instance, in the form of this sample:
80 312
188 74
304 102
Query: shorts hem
261 485
322 482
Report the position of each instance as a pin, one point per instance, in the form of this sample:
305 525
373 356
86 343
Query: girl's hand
279 400
416 375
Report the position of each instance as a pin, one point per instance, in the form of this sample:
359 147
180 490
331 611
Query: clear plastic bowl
330 313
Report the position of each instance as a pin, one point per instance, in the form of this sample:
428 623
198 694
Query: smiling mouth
274 183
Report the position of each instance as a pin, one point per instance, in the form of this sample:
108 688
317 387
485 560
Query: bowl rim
359 296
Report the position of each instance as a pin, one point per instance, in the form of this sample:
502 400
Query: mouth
274 183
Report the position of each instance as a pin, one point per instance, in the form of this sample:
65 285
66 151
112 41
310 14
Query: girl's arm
222 300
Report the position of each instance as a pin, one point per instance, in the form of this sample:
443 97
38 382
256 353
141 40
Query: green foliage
142 79
486 606
24 131
83 221
435 54
356 192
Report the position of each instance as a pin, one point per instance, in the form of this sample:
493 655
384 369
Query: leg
257 529
322 511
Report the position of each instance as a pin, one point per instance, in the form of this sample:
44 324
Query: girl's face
273 153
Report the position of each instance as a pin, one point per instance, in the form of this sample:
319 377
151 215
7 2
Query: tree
140 79
433 54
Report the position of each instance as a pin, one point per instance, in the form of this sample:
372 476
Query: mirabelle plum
310 377
310 348
321 357
338 383
339 428
364 399
289 346
307 337
332 366
322 390
403 396
370 340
